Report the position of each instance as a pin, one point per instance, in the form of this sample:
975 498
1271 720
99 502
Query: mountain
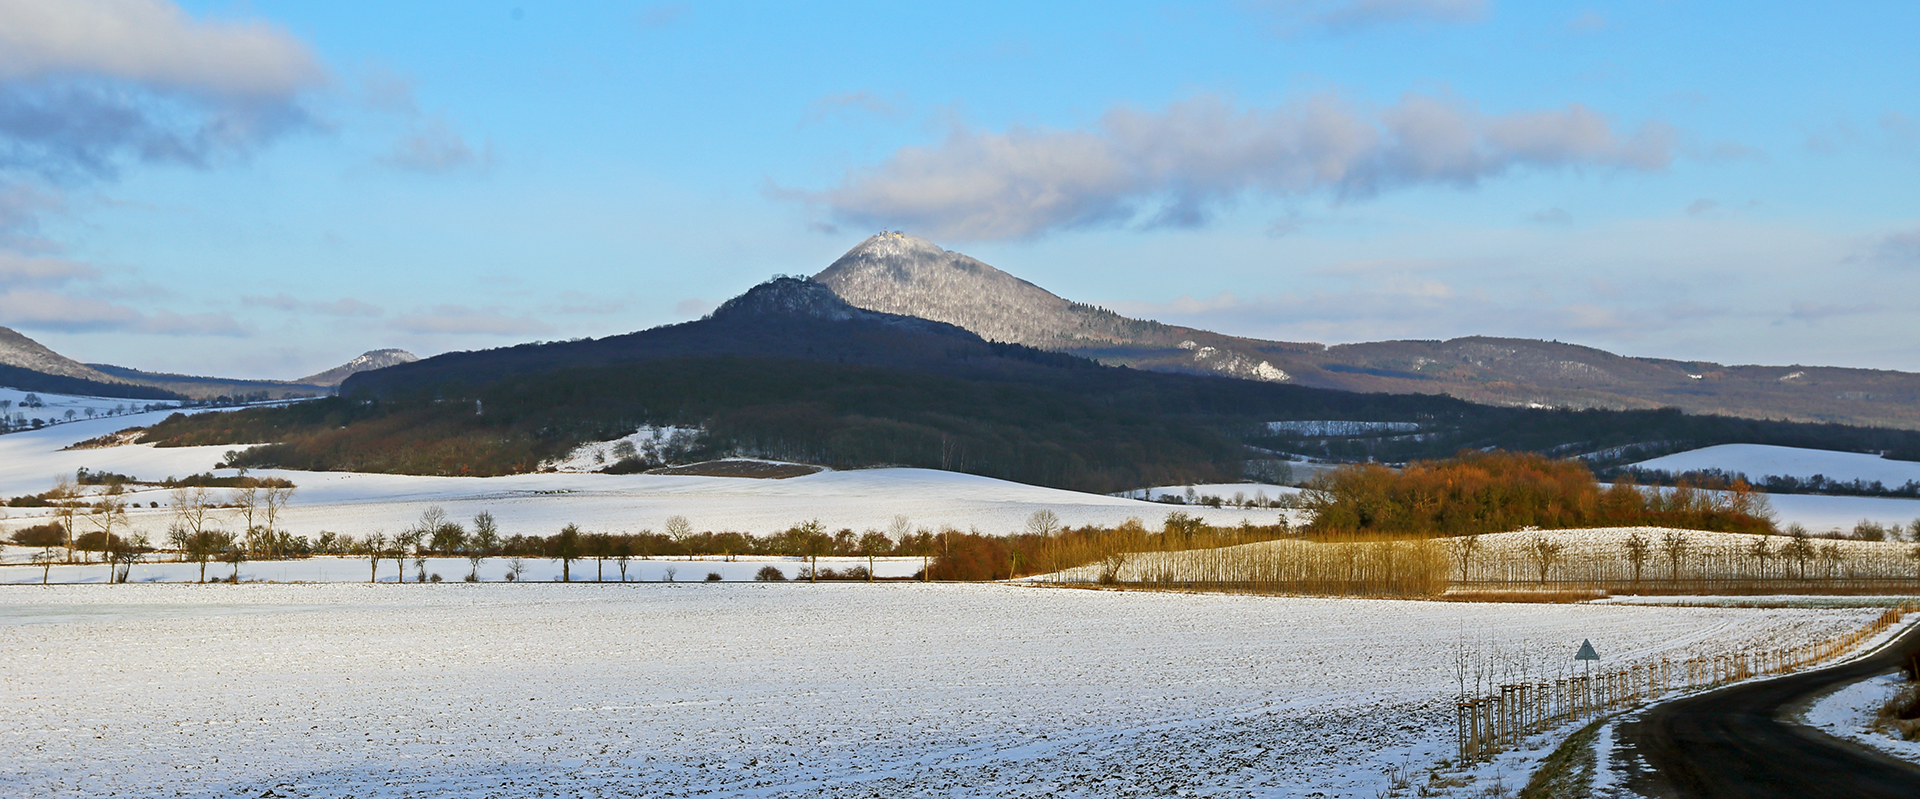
28 365
903 274
786 318
24 353
790 370
908 275
367 361
210 388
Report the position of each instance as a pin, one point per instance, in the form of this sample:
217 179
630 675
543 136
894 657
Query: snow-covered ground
771 690
357 504
1849 713
54 407
1760 460
494 569
647 441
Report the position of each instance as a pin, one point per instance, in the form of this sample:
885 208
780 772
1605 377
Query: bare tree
622 547
233 550
1830 553
123 558
516 569
565 547
66 506
598 546
812 538
247 498
1674 545
405 543
1464 547
109 515
1638 548
872 544
375 548
680 531
45 559
1545 552
1761 550
1043 523
485 539
272 501
1798 548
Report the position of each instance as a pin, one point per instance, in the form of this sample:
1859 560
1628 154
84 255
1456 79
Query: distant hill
206 388
902 274
27 365
368 361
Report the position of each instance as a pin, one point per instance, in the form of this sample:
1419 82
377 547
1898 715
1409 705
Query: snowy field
1760 460
769 690
54 407
491 570
540 504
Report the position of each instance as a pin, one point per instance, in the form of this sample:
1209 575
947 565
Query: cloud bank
1175 167
88 85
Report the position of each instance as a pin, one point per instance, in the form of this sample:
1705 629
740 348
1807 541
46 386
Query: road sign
1586 651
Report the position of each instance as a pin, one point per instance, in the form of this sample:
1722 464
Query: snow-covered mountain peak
365 362
895 244
380 359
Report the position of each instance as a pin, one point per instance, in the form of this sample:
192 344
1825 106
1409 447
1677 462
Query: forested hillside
789 371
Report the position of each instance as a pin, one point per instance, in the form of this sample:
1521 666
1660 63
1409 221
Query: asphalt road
1734 743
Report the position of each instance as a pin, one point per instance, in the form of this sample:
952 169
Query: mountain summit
367 361
897 273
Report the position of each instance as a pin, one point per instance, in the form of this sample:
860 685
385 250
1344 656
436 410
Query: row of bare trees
1689 561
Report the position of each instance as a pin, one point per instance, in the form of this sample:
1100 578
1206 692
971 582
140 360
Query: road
1734 742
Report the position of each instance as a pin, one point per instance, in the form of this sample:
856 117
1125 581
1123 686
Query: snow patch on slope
1760 460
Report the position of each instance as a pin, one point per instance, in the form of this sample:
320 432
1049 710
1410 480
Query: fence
1488 725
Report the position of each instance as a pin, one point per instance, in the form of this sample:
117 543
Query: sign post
1587 654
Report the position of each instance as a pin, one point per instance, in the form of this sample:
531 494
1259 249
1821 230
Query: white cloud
21 270
88 84
39 309
152 43
1174 167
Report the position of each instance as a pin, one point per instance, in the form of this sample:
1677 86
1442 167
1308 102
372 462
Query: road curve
1734 742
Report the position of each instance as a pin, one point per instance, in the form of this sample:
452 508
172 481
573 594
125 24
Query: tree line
1497 491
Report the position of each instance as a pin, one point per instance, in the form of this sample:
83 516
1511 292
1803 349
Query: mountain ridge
903 274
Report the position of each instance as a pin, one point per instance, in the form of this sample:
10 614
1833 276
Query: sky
266 189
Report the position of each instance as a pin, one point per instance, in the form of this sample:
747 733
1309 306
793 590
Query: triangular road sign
1586 651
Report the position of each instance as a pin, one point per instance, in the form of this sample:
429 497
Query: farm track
1737 742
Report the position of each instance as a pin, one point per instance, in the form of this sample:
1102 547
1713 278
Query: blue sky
267 189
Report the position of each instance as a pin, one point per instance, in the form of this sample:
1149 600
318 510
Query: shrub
770 574
40 535
473 578
713 577
1901 714
435 578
